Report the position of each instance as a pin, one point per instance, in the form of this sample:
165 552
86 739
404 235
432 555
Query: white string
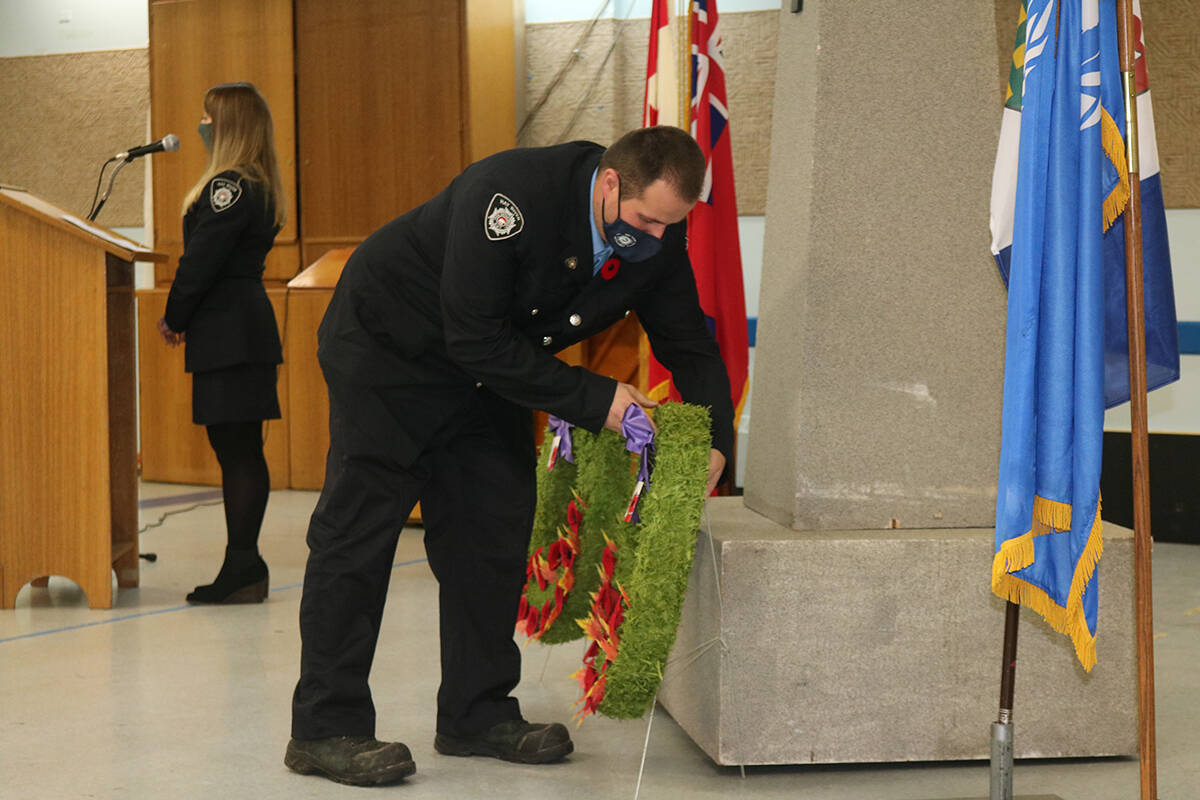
712 548
579 107
542 679
684 659
645 749
572 57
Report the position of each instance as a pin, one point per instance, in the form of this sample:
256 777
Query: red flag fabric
662 74
712 225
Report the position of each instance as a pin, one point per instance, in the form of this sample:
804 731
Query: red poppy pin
610 269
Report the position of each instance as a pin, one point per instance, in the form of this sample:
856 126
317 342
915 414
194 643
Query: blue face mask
205 131
628 243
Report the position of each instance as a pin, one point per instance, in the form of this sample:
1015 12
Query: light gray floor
156 699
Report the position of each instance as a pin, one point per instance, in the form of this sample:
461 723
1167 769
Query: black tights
245 481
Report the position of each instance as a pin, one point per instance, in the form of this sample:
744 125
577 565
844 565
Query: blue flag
1162 342
1071 186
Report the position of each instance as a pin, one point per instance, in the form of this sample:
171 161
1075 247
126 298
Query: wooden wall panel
490 95
193 46
174 449
380 114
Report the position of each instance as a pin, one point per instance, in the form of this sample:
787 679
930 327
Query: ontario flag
712 225
1060 188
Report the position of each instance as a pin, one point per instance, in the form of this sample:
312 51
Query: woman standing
219 306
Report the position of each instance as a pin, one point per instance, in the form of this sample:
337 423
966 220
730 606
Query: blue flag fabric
1069 189
1162 343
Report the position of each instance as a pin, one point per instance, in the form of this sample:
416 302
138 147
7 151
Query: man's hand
169 336
716 465
625 396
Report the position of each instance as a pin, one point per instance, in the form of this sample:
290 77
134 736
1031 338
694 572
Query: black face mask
628 243
205 131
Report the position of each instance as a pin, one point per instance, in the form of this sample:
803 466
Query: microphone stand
95 211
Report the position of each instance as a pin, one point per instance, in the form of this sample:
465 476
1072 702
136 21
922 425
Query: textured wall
615 102
1172 42
63 116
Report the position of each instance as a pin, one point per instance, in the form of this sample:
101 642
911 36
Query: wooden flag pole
685 65
1135 310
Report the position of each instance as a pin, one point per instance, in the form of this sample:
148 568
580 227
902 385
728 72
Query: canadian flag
662 71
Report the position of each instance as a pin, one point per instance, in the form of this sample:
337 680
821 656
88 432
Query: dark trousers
477 488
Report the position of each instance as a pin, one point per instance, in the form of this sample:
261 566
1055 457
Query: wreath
618 583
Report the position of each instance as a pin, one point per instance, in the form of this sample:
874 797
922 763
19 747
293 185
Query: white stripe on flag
1147 144
1004 181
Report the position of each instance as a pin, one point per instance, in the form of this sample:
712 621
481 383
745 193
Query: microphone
169 143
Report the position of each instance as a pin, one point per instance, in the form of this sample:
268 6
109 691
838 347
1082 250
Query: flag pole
685 65
1139 437
1002 728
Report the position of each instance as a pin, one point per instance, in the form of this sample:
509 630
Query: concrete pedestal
883 646
878 371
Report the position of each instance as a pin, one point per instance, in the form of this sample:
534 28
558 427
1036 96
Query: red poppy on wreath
552 569
602 625
610 269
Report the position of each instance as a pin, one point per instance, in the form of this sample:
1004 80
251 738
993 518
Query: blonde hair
243 140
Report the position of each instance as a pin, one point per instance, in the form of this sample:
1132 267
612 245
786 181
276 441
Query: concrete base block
884 646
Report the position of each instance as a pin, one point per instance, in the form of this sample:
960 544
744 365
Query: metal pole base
1002 761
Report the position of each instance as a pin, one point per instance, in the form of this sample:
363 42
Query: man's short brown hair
644 155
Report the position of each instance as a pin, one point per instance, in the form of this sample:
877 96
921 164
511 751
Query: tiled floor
157 699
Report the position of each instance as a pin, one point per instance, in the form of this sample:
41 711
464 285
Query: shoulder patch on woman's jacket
224 193
502 218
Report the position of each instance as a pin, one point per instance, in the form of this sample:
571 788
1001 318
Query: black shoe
243 578
515 740
356 760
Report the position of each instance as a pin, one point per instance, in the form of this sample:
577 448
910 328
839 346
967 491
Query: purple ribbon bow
562 441
639 439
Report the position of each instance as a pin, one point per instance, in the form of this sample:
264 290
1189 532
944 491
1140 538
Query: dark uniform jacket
218 298
482 283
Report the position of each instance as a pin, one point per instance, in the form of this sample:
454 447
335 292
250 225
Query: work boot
356 760
514 740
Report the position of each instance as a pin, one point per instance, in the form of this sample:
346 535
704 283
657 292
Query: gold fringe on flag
1114 148
1016 554
1050 516
660 392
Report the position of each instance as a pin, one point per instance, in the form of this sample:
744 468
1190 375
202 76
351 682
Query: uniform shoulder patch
502 219
224 193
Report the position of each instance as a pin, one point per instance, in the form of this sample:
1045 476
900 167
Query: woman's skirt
241 393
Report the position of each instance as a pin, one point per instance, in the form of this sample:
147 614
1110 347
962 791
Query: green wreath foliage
653 558
656 577
602 477
554 488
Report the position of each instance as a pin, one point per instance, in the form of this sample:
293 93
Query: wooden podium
68 446
308 424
